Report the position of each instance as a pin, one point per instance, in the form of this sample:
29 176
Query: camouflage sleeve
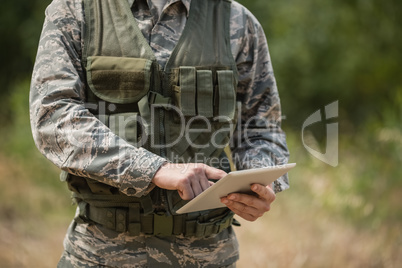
258 140
65 131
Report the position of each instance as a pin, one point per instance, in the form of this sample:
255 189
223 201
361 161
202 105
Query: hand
188 179
251 207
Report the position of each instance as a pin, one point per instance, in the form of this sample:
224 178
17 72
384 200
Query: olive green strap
205 40
228 153
134 222
145 113
106 200
205 93
163 225
159 100
188 89
111 30
121 219
227 98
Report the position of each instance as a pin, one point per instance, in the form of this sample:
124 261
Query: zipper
162 142
164 192
162 133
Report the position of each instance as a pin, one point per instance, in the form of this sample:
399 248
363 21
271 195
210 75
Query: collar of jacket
186 3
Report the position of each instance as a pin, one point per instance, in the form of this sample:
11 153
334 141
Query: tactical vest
181 112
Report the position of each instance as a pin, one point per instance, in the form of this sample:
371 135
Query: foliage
346 50
324 51
364 189
20 26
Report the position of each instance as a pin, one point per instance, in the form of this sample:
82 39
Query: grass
348 216
299 231
303 229
33 218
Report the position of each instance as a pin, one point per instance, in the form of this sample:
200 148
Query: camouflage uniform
74 140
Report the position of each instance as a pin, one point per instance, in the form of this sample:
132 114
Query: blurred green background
322 51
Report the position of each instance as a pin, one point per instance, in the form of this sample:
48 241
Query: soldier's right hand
188 179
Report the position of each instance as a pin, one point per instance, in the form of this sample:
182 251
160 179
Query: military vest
184 112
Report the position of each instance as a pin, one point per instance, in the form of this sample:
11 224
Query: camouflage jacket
71 137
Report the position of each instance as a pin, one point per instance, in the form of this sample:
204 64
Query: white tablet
234 182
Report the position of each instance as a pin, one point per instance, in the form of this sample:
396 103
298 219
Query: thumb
214 173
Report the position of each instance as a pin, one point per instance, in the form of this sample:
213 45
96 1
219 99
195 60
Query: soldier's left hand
251 207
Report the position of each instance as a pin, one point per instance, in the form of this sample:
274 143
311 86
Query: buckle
224 223
163 225
82 216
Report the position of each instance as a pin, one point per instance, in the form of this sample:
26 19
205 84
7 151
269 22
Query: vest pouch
119 79
205 98
226 94
186 93
205 93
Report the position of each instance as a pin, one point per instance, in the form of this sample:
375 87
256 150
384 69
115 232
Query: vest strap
205 93
130 219
227 99
158 99
145 113
188 90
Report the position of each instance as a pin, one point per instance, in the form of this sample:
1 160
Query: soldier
136 102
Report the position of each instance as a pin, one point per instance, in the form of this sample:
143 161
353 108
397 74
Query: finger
249 203
247 213
186 191
196 187
214 173
243 208
244 215
204 182
263 192
198 179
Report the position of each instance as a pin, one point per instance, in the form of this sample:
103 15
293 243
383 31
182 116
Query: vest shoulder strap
205 40
111 30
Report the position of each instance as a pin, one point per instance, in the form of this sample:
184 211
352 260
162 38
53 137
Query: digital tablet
234 182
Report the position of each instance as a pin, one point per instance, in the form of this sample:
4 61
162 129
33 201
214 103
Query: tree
346 50
20 25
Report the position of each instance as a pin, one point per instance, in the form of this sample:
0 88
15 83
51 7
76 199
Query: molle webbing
205 93
130 218
187 92
199 79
